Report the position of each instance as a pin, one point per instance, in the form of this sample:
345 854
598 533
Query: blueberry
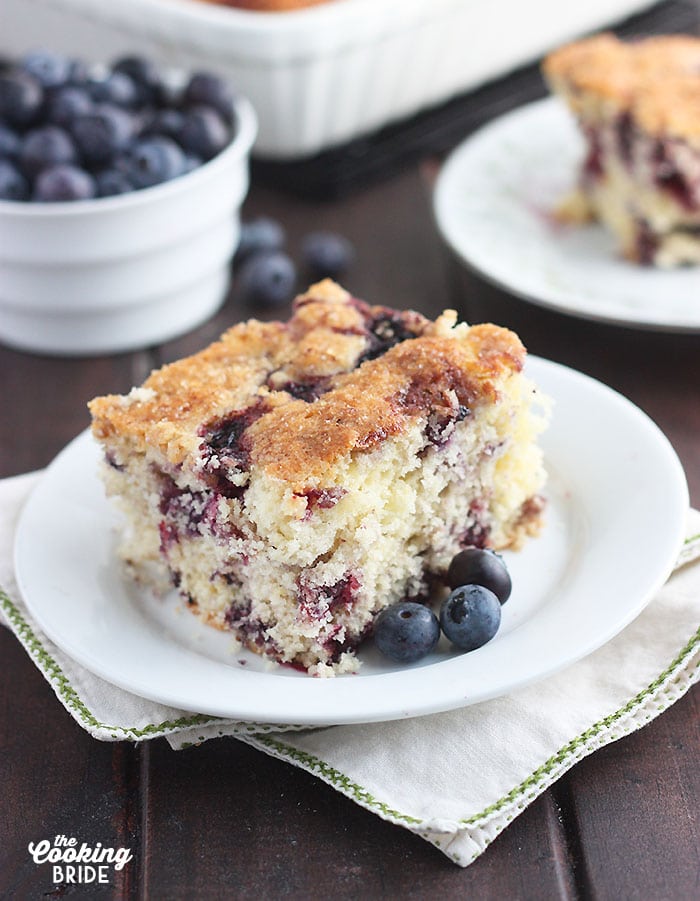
78 73
204 132
13 185
66 134
103 133
145 74
268 279
111 181
117 88
192 162
9 143
60 183
166 122
48 68
470 616
65 104
45 146
21 97
406 631
477 566
327 253
260 235
205 89
153 160
169 96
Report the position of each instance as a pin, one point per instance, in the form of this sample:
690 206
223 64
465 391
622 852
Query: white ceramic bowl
119 273
321 76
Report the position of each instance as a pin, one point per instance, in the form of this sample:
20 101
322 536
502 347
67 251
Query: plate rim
545 299
332 689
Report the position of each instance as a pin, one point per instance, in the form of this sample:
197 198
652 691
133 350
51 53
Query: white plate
493 202
617 504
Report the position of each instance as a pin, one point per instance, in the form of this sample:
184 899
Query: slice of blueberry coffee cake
295 478
638 107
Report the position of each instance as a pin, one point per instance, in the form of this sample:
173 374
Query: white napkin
487 762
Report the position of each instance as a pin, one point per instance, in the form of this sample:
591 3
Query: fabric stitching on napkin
584 748
559 763
73 702
688 550
361 795
585 738
63 688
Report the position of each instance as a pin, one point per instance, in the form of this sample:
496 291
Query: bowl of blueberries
120 196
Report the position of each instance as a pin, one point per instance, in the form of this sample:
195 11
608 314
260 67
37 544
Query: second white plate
493 202
617 505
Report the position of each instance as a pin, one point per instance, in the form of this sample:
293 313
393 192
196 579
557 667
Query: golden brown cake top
652 79
293 397
681 118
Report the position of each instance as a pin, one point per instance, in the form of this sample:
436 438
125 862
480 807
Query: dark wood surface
224 821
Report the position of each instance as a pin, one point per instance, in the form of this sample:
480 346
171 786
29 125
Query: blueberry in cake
638 107
295 478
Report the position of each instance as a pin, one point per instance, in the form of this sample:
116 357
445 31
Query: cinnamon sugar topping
656 80
339 400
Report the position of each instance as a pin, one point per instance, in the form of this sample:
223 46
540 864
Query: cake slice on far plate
294 478
638 106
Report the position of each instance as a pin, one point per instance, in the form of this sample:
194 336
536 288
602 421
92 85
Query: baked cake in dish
294 478
638 106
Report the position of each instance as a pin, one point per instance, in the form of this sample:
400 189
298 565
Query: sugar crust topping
656 80
360 406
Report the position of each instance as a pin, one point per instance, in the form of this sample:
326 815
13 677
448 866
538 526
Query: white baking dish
321 76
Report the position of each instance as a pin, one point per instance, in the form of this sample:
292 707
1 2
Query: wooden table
224 821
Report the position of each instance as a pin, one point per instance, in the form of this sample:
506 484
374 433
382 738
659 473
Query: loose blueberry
470 616
13 185
43 147
152 161
103 133
327 254
205 89
21 97
9 143
111 182
204 132
260 235
49 69
480 566
65 104
268 279
60 183
406 631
